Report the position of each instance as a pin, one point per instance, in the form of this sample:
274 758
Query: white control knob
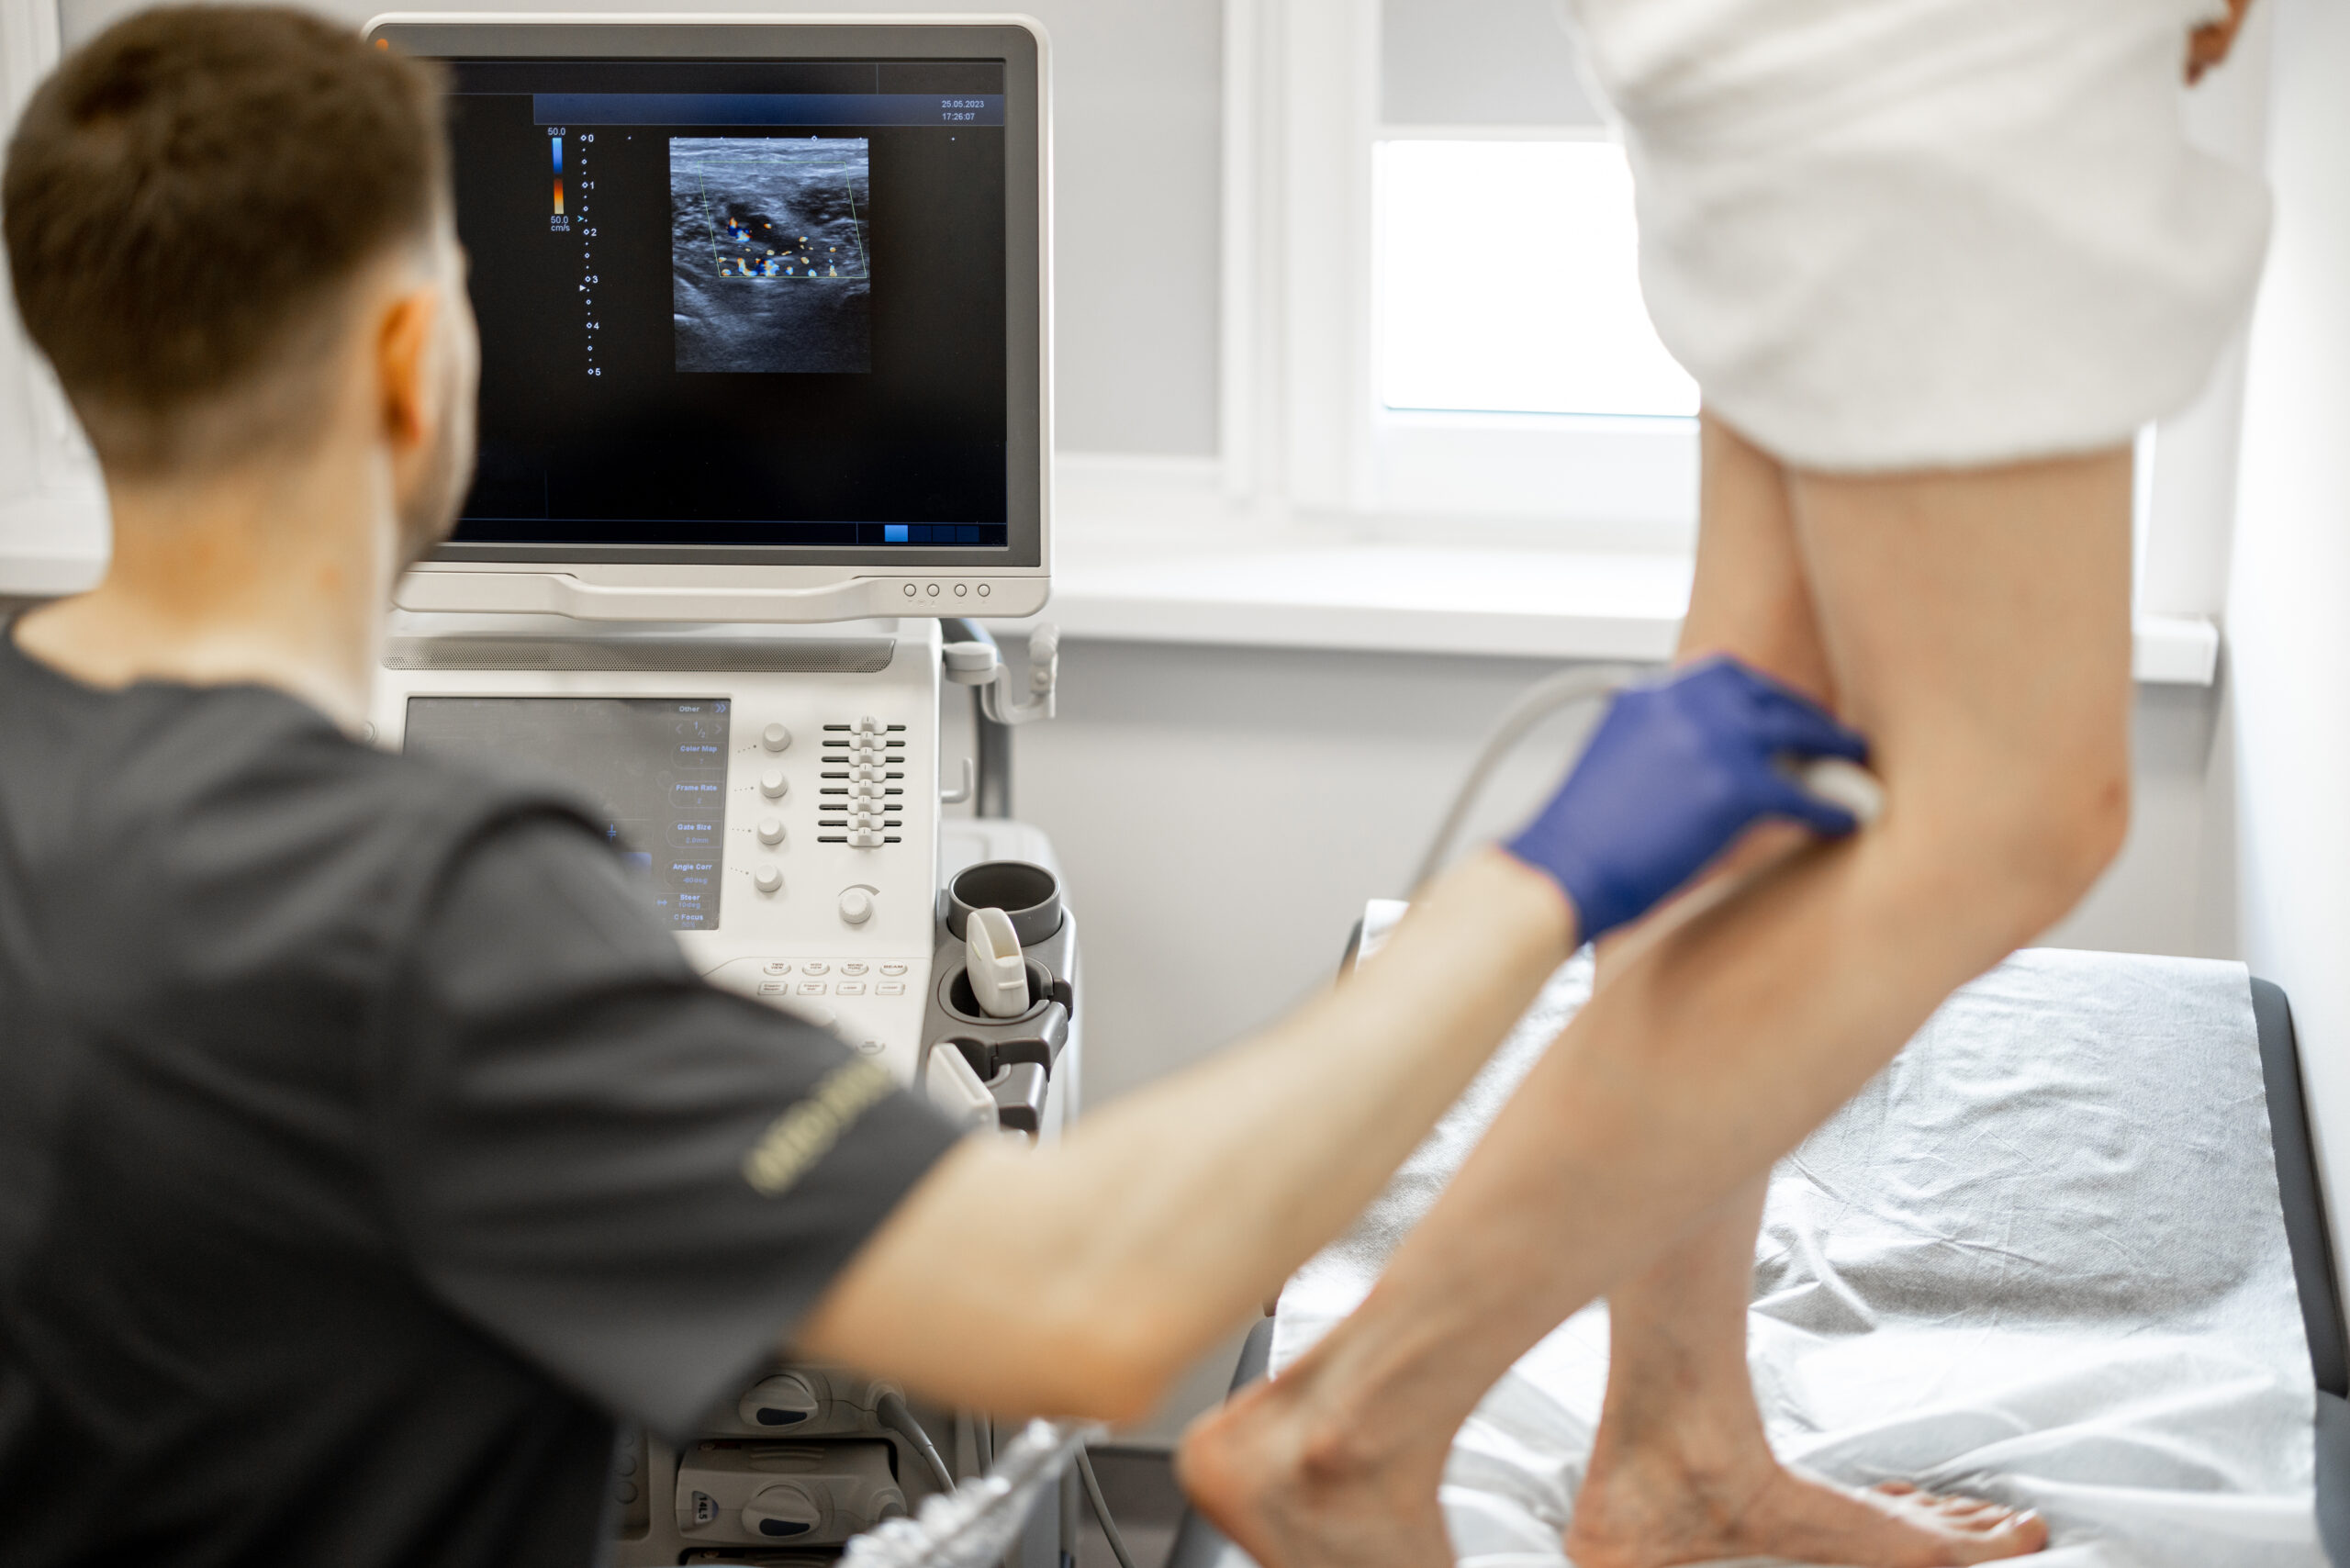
775 738
768 879
770 830
773 785
856 906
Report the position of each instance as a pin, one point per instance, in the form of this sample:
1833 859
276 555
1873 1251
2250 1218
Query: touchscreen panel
656 767
736 303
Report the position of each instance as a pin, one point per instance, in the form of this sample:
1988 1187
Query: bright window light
1508 282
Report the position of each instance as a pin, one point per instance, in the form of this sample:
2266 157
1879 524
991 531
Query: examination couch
2314 1280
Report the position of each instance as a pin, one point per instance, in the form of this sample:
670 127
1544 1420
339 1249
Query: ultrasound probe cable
1101 1508
899 1418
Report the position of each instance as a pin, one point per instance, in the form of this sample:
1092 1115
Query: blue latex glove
1673 774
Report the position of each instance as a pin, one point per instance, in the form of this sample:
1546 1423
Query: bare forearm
1082 1275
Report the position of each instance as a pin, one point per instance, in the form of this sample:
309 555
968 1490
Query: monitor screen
754 307
654 767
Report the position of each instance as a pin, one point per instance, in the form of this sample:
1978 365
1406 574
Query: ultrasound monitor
763 317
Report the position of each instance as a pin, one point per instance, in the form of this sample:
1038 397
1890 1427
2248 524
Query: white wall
2288 604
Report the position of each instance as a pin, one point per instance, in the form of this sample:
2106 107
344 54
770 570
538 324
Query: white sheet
2040 1257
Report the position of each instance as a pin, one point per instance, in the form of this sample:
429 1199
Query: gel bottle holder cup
1029 896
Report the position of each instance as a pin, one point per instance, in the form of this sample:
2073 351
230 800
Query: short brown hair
188 196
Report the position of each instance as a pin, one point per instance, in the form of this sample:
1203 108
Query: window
1508 282
1434 326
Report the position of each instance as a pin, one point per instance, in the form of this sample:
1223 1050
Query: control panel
777 787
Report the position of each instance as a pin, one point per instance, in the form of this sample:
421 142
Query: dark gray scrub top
367 1149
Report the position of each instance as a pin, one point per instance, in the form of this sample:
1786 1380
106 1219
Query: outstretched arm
1081 1277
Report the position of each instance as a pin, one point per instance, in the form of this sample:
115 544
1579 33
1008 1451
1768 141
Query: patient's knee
2025 850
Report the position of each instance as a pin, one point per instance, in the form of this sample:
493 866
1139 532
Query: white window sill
1416 599
1110 584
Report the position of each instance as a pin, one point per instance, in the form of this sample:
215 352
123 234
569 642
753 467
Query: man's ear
407 387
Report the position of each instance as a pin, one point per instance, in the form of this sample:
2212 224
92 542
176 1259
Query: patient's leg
1682 1470
1976 627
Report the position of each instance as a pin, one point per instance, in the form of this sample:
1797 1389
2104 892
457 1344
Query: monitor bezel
1019 43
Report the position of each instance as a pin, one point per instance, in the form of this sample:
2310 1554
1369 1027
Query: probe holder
1013 1057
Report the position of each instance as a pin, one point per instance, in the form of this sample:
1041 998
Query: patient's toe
1639 1516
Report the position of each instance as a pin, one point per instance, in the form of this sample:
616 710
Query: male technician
367 1147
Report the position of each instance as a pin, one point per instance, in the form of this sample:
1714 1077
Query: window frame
1304 430
53 533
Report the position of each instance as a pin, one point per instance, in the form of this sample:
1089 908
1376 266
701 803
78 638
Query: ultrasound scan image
768 254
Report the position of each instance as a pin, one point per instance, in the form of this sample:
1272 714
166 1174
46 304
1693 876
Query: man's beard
428 514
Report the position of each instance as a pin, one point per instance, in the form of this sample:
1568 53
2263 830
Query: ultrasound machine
765 311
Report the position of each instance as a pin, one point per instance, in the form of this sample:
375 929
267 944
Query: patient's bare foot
1293 1490
1647 1511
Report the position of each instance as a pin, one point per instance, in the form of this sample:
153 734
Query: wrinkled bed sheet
2040 1257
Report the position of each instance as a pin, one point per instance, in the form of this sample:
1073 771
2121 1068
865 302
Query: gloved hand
1675 773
